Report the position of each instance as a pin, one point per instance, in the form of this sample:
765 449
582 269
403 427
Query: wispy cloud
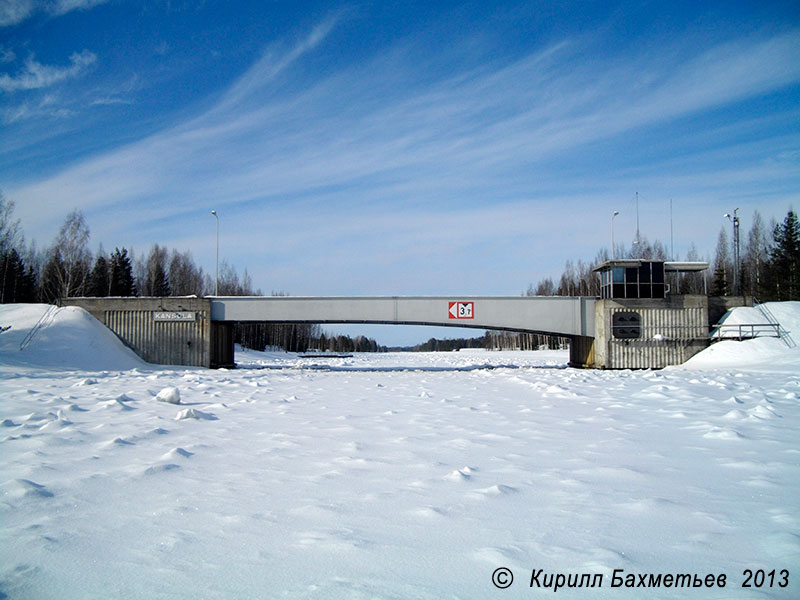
14 12
37 76
48 106
393 143
61 7
7 55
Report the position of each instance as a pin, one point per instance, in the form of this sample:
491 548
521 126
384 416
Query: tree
9 227
12 267
785 259
18 284
99 279
722 266
156 282
756 258
70 258
121 274
185 278
52 274
230 284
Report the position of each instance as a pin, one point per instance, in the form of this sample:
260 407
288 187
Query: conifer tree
99 282
121 277
784 268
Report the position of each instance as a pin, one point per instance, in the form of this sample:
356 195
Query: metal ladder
782 333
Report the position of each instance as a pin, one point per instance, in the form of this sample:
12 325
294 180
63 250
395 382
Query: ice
390 475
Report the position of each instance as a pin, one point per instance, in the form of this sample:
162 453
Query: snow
69 338
389 476
762 353
169 394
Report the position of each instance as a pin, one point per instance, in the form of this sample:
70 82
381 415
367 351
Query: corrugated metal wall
670 336
175 343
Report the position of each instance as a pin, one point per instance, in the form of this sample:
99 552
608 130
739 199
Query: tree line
491 340
67 269
768 270
769 265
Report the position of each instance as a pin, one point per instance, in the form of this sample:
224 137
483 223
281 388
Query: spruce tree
121 283
99 278
785 259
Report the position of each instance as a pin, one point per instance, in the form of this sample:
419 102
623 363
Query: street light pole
613 252
216 276
736 271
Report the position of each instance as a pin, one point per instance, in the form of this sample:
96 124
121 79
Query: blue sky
397 147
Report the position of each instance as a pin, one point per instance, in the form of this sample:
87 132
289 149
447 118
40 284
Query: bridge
199 331
561 316
635 324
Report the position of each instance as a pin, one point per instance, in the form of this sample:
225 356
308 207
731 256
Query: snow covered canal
408 476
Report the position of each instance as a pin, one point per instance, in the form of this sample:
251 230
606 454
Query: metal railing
745 331
782 333
43 322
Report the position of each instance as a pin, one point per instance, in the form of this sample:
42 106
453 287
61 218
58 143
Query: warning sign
461 310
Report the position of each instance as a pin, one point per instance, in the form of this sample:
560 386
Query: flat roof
685 266
672 265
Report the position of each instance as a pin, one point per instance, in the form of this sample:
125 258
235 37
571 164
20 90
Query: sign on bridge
461 310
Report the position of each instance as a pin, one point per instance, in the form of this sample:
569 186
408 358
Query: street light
216 277
736 275
613 256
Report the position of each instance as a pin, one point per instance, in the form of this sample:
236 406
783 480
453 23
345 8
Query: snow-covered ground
389 476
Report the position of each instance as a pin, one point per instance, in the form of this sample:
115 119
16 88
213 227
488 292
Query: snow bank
763 353
68 338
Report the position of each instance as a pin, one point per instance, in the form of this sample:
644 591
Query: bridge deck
552 315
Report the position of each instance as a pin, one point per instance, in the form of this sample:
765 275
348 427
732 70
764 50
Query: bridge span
562 316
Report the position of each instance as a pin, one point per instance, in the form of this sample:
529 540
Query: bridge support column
581 351
222 345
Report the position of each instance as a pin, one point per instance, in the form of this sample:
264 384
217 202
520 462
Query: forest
767 269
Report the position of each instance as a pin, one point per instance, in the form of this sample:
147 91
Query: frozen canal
390 476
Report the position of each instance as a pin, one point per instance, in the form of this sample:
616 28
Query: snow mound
763 353
169 394
193 413
67 338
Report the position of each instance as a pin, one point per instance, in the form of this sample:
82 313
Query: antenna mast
671 234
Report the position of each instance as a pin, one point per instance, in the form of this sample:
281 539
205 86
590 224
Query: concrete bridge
199 331
635 324
560 316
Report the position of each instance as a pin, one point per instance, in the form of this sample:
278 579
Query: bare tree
723 267
756 257
185 278
9 227
156 282
69 260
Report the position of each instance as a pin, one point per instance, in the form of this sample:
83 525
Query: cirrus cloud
35 75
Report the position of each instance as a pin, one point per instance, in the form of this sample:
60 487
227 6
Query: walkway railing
747 331
43 322
782 333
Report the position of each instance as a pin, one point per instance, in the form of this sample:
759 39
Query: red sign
461 310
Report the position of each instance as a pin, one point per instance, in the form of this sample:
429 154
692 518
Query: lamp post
216 276
736 275
613 252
